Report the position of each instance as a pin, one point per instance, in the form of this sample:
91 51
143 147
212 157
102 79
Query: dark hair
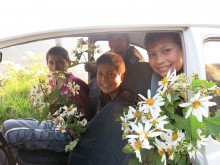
152 38
112 58
58 50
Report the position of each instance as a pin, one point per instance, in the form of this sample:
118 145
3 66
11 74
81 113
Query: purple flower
64 89
53 82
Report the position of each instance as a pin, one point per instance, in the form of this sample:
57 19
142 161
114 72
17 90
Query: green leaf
128 149
134 161
180 122
195 124
45 112
71 145
154 158
74 63
181 160
145 155
213 124
198 84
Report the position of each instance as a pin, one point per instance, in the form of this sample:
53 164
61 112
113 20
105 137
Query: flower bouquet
54 99
85 47
171 126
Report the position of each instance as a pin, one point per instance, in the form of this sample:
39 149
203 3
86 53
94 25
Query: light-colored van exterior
201 46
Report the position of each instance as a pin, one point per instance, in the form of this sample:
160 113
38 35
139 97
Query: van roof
24 20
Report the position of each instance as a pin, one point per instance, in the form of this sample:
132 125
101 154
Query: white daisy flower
133 113
73 87
198 106
152 104
143 132
83 122
61 127
137 145
159 122
167 81
69 110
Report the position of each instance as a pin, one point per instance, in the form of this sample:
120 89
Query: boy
28 133
102 142
165 53
120 43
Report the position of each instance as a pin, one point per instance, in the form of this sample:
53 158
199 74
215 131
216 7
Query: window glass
212 61
105 47
25 55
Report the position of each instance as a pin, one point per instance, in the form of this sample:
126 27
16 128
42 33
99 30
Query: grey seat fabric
138 78
102 142
34 141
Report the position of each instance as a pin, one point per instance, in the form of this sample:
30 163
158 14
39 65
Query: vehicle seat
38 157
138 78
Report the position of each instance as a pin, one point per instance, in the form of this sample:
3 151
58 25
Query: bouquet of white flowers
171 126
54 99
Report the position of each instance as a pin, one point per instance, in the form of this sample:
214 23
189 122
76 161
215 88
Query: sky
19 17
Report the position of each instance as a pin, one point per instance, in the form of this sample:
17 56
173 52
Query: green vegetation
15 85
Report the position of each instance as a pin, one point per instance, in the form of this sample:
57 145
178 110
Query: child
58 59
110 74
27 133
118 43
165 53
102 142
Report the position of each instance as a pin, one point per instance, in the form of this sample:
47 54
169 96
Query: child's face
108 79
56 62
165 55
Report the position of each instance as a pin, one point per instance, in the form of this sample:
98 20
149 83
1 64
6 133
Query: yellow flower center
57 121
145 134
150 101
169 151
137 145
137 114
69 109
154 122
169 90
165 81
61 128
161 153
217 91
148 115
174 137
196 104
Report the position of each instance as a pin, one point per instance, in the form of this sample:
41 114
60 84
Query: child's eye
99 74
110 74
166 51
61 62
151 55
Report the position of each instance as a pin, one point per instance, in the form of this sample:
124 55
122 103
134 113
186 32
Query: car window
212 62
25 54
105 47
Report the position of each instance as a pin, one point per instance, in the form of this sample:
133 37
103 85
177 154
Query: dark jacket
102 142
